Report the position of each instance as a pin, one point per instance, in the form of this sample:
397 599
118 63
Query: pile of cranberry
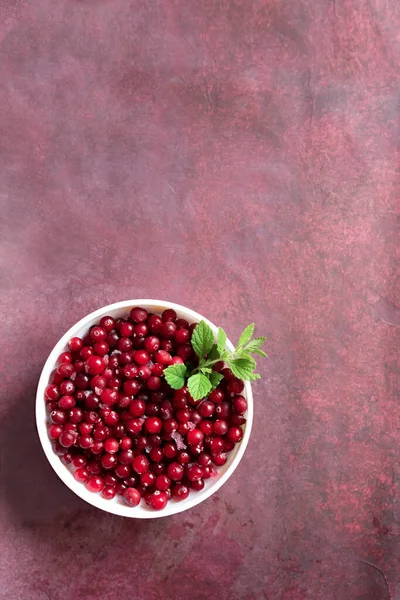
115 420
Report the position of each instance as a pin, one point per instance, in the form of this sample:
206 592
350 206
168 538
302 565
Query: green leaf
206 370
260 353
175 376
253 377
202 339
215 378
221 340
213 354
255 344
199 386
242 367
246 335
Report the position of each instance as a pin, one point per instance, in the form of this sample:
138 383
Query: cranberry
66 402
85 428
239 404
100 433
153 425
154 441
183 428
158 500
168 329
147 479
140 330
162 357
137 342
65 357
134 426
125 443
59 417
120 488
195 418
94 467
204 459
111 445
95 483
197 485
183 457
85 441
217 445
175 471
170 425
111 418
220 427
179 399
126 329
185 352
130 371
109 396
101 348
65 370
98 334
194 473
125 457
66 457
195 437
169 315
79 461
206 427
131 496
140 464
86 353
118 324
206 408
227 373
82 475
234 434
109 492
107 323
153 383
131 481
112 339
125 358
219 459
218 366
223 410
170 450
216 395
141 442
138 315
163 483
52 392
157 370
154 323
124 344
75 344
108 461
124 401
131 387
67 387
235 386
55 431
182 336
82 381
182 324
67 439
122 471
71 427
144 373
137 408
156 454
151 344
180 491
167 346
110 479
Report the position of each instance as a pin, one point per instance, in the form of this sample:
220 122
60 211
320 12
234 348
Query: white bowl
116 506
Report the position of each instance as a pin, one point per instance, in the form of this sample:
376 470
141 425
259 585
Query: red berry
220 427
195 437
109 492
239 404
138 315
234 434
175 471
157 501
153 425
75 344
111 445
206 408
131 496
180 491
95 483
81 475
107 323
140 464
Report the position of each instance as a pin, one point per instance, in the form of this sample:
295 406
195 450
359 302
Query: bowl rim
139 512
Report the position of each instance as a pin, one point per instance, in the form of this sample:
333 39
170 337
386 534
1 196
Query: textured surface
239 157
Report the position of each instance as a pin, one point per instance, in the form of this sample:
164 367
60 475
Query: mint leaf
260 353
221 340
202 339
199 386
215 378
253 377
175 376
246 335
213 354
206 370
255 344
242 367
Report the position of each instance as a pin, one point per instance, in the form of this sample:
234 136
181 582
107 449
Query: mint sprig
201 380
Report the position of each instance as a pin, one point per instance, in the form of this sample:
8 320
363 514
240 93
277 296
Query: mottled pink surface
240 157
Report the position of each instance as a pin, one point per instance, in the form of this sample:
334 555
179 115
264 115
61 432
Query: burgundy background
239 157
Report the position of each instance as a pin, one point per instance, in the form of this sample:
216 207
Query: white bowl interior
116 506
